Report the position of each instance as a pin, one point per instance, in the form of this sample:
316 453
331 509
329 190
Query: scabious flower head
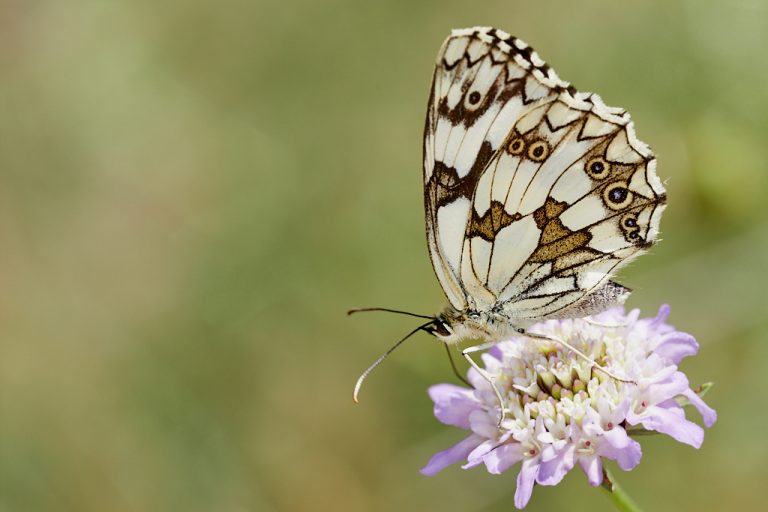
561 411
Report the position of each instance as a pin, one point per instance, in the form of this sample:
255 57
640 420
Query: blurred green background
193 193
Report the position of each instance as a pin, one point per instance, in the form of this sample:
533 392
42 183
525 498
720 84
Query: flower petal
475 457
612 316
661 316
708 414
617 437
593 467
502 458
617 445
670 387
525 480
457 452
671 421
554 469
620 413
453 404
495 351
482 424
677 345
630 456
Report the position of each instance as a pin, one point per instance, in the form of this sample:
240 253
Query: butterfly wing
534 192
483 82
589 202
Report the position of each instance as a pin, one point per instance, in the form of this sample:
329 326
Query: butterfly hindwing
534 193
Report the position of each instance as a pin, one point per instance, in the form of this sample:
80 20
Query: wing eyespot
597 168
629 221
473 100
516 146
617 196
538 151
629 226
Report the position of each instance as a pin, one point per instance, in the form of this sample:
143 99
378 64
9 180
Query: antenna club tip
356 391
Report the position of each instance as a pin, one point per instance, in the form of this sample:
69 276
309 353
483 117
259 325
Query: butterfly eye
516 146
617 196
538 151
473 100
598 168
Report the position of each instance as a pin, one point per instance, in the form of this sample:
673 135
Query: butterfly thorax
453 326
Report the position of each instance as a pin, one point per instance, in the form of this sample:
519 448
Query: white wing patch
473 138
511 248
534 192
451 220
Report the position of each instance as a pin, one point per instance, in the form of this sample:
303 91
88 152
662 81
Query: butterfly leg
453 366
484 374
579 353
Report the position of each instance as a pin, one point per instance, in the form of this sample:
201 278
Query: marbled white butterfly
534 193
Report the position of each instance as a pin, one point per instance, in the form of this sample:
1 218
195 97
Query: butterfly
534 193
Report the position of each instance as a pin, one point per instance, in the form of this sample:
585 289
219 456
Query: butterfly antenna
365 374
361 310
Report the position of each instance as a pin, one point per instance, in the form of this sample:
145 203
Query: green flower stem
620 499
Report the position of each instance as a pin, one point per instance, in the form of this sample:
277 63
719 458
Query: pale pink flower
561 412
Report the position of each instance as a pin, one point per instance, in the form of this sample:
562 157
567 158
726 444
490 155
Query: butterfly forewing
534 193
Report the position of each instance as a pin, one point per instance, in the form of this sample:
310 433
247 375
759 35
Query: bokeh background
192 194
